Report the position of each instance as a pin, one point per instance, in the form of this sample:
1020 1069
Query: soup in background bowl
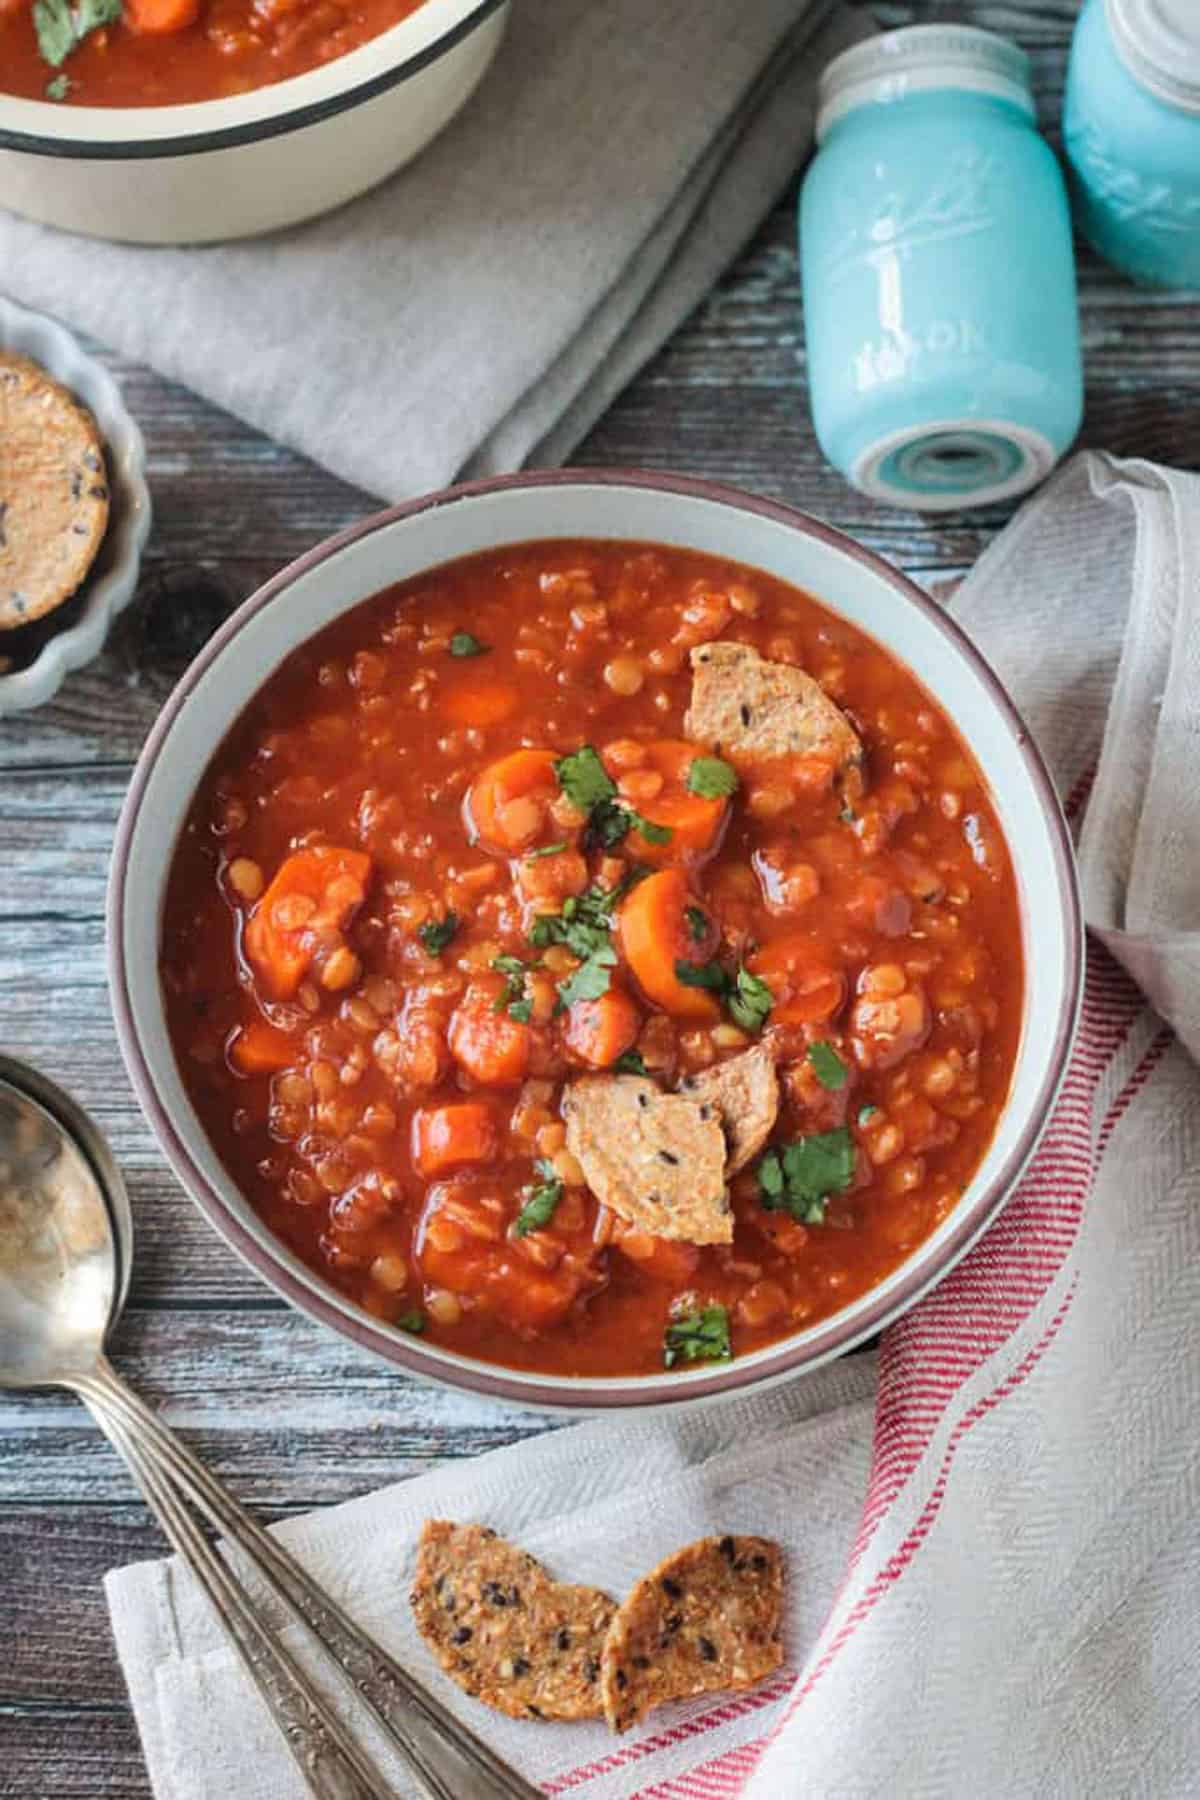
593 968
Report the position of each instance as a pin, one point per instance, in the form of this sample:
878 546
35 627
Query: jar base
946 464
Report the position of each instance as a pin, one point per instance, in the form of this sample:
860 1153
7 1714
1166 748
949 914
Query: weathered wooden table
288 1414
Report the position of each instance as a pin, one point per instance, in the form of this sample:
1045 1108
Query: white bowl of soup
595 939
187 121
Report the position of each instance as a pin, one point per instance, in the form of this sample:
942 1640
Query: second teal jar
1131 127
938 279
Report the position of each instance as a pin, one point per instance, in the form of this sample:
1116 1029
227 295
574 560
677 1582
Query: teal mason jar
1131 127
937 272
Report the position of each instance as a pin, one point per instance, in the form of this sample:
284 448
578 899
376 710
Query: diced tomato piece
446 1137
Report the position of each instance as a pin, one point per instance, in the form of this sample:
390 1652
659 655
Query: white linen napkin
481 309
993 1589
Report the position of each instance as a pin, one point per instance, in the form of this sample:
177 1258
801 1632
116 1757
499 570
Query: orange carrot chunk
660 925
158 17
488 1044
314 892
599 1031
259 1048
662 1259
807 987
446 1137
507 806
696 822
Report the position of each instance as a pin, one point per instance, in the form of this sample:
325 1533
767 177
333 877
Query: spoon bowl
61 1278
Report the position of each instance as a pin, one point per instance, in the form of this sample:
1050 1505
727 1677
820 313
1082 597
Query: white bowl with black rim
253 162
411 539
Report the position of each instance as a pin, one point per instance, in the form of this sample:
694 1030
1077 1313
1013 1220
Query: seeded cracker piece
503 1630
53 492
744 1094
653 1158
753 710
706 1618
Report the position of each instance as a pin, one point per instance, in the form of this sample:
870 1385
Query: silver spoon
66 1242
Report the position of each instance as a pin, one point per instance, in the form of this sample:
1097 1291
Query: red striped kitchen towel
1012 1610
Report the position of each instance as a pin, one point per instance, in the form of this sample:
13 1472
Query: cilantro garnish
61 27
798 1178
465 643
711 778
589 786
435 934
540 1201
585 926
746 997
59 88
697 923
865 1113
828 1066
546 850
514 1000
413 1320
631 1062
701 1336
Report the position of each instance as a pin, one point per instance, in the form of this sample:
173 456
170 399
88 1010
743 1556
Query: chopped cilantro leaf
710 975
435 934
750 1001
590 979
61 27
747 997
465 643
828 1066
865 1113
798 1178
413 1320
540 1201
584 779
514 1000
701 1336
546 850
653 834
697 923
59 88
711 778
588 785
631 1062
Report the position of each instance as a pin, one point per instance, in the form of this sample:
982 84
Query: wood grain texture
290 1415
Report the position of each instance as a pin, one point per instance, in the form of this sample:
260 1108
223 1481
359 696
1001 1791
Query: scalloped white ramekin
113 578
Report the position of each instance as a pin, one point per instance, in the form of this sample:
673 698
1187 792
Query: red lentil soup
167 52
459 862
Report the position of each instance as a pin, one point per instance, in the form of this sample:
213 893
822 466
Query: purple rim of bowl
830 1337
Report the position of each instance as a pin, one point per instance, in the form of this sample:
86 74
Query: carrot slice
446 1137
479 702
488 1044
506 806
660 924
599 1031
262 1049
696 823
808 988
158 17
314 891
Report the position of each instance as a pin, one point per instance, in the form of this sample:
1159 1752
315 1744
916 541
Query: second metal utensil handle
449 1761
329 1760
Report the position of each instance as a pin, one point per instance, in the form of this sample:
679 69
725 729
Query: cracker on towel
53 492
706 1618
756 711
503 1629
655 1159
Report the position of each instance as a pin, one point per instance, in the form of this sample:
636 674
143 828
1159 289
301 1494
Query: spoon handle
449 1761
